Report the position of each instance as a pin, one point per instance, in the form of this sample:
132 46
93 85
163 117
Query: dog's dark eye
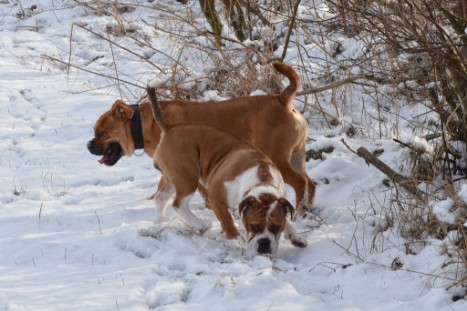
100 134
274 229
255 228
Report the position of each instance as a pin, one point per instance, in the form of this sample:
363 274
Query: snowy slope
70 228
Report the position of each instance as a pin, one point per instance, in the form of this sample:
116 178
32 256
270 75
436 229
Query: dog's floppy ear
122 110
287 206
247 202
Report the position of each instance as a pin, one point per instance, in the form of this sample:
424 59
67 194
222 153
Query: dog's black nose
264 246
90 145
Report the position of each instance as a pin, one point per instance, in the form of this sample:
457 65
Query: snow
72 231
443 213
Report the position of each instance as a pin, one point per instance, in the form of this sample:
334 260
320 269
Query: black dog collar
136 129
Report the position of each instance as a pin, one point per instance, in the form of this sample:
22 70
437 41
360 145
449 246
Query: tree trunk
209 11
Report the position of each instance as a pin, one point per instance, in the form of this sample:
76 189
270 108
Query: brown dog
268 122
233 173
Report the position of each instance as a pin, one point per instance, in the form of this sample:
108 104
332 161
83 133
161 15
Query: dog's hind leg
301 185
203 192
297 161
187 215
165 191
181 204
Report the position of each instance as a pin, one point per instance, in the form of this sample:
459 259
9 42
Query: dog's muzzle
110 155
264 246
94 148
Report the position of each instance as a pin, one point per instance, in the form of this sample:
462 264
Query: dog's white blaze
270 210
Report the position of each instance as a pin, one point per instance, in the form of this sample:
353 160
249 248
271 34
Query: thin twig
116 70
69 53
291 28
347 145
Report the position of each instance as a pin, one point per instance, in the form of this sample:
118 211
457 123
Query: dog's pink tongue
104 158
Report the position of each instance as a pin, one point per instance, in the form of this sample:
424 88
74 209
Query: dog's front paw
301 244
297 241
240 241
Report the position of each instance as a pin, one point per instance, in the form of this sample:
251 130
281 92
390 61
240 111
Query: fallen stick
409 185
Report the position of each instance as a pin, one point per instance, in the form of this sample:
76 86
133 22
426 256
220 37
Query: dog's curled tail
288 94
155 107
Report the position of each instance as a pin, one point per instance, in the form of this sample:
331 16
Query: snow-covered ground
70 229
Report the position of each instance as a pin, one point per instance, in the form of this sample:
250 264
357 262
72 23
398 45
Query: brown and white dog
234 174
270 123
